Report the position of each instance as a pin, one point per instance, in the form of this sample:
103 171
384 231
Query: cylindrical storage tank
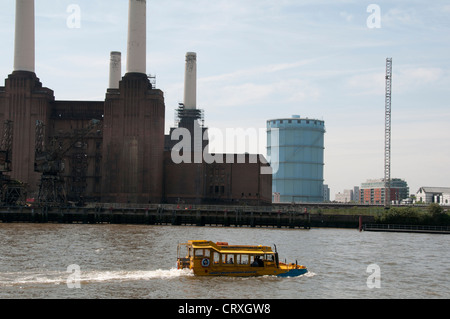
295 149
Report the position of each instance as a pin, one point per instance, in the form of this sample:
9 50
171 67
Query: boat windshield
184 250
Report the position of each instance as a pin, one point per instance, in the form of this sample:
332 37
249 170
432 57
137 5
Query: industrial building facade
113 150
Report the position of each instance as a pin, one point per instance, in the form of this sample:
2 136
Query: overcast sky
266 59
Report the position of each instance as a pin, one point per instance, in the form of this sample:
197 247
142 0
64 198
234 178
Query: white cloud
367 84
419 76
257 71
347 16
400 17
252 94
404 79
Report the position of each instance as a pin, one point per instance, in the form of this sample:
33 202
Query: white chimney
115 70
137 28
190 81
24 51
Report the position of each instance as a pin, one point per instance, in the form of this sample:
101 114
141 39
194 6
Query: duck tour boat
207 258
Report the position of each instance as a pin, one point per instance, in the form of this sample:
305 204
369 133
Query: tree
438 215
435 210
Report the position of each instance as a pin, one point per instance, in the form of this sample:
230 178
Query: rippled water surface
129 261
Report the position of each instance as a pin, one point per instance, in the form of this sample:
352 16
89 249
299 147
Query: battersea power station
116 150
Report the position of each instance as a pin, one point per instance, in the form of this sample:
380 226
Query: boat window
242 259
216 257
257 261
198 252
207 253
228 259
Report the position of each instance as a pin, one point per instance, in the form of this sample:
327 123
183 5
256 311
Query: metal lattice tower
387 135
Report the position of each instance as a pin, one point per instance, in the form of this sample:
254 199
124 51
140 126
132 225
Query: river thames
80 261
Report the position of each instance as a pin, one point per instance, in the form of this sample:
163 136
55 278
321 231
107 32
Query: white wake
89 276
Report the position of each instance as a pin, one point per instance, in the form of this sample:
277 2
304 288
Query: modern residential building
372 191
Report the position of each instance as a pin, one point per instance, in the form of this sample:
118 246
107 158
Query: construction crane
49 161
387 135
6 147
11 191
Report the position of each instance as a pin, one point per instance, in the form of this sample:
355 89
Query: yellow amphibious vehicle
206 258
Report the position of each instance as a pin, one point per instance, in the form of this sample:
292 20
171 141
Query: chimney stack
190 81
115 70
137 28
24 52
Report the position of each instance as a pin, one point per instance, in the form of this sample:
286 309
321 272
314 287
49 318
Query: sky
265 59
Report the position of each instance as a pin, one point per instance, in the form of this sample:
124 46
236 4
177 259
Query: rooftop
427 189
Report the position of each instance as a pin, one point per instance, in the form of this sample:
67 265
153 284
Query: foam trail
135 275
308 274
57 278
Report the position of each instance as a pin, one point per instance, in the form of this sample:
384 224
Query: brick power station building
113 150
